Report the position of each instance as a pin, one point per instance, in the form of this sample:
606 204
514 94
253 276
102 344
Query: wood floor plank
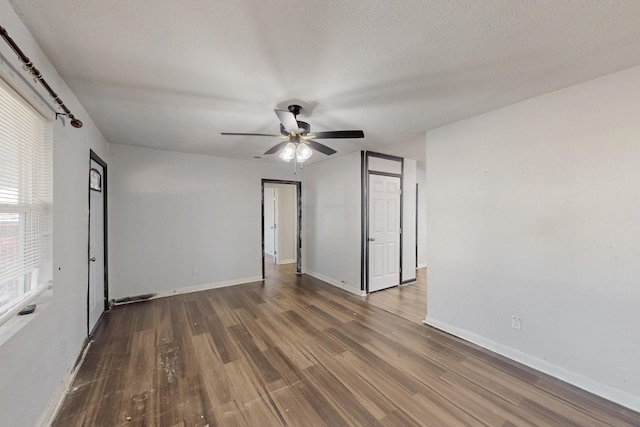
341 396
266 370
296 408
331 414
408 301
261 412
286 367
387 370
321 317
293 350
394 351
402 393
375 401
224 344
215 386
608 412
506 407
244 385
261 339
399 418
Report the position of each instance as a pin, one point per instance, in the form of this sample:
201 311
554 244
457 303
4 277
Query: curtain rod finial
76 123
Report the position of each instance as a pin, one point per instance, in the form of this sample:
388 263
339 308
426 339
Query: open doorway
281 219
98 284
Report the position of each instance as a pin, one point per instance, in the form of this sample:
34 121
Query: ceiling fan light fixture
303 152
300 145
288 153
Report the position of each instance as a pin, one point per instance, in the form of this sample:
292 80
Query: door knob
371 239
92 259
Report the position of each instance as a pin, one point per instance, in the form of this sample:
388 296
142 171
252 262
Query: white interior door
384 232
96 245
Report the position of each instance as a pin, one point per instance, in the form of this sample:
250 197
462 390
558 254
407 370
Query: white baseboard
51 410
286 261
336 283
610 393
198 288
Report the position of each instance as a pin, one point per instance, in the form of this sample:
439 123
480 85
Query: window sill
16 323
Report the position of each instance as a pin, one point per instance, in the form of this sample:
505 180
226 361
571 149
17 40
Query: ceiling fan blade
276 147
336 134
249 134
288 120
320 147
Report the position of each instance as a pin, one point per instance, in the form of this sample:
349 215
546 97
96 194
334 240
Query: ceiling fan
299 143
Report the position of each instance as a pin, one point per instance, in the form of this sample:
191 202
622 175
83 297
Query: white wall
533 210
422 217
37 352
331 221
409 220
172 212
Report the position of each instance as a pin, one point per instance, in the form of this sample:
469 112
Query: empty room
319 213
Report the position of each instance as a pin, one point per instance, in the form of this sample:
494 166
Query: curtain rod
76 123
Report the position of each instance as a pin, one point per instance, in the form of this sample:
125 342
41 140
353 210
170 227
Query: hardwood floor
296 351
408 301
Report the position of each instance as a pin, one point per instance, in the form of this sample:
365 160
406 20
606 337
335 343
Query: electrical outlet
196 271
516 322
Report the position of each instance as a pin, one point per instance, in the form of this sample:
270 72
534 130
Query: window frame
33 203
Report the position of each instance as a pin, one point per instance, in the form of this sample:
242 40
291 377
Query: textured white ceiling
174 74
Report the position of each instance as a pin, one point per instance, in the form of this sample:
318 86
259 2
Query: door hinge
401 231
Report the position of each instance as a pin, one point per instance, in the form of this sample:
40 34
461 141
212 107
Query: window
25 200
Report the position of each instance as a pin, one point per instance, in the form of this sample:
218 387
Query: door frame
364 244
298 185
417 229
93 156
272 227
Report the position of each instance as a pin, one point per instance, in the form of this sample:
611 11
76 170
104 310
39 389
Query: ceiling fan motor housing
304 127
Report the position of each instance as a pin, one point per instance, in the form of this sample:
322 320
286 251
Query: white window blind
25 199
